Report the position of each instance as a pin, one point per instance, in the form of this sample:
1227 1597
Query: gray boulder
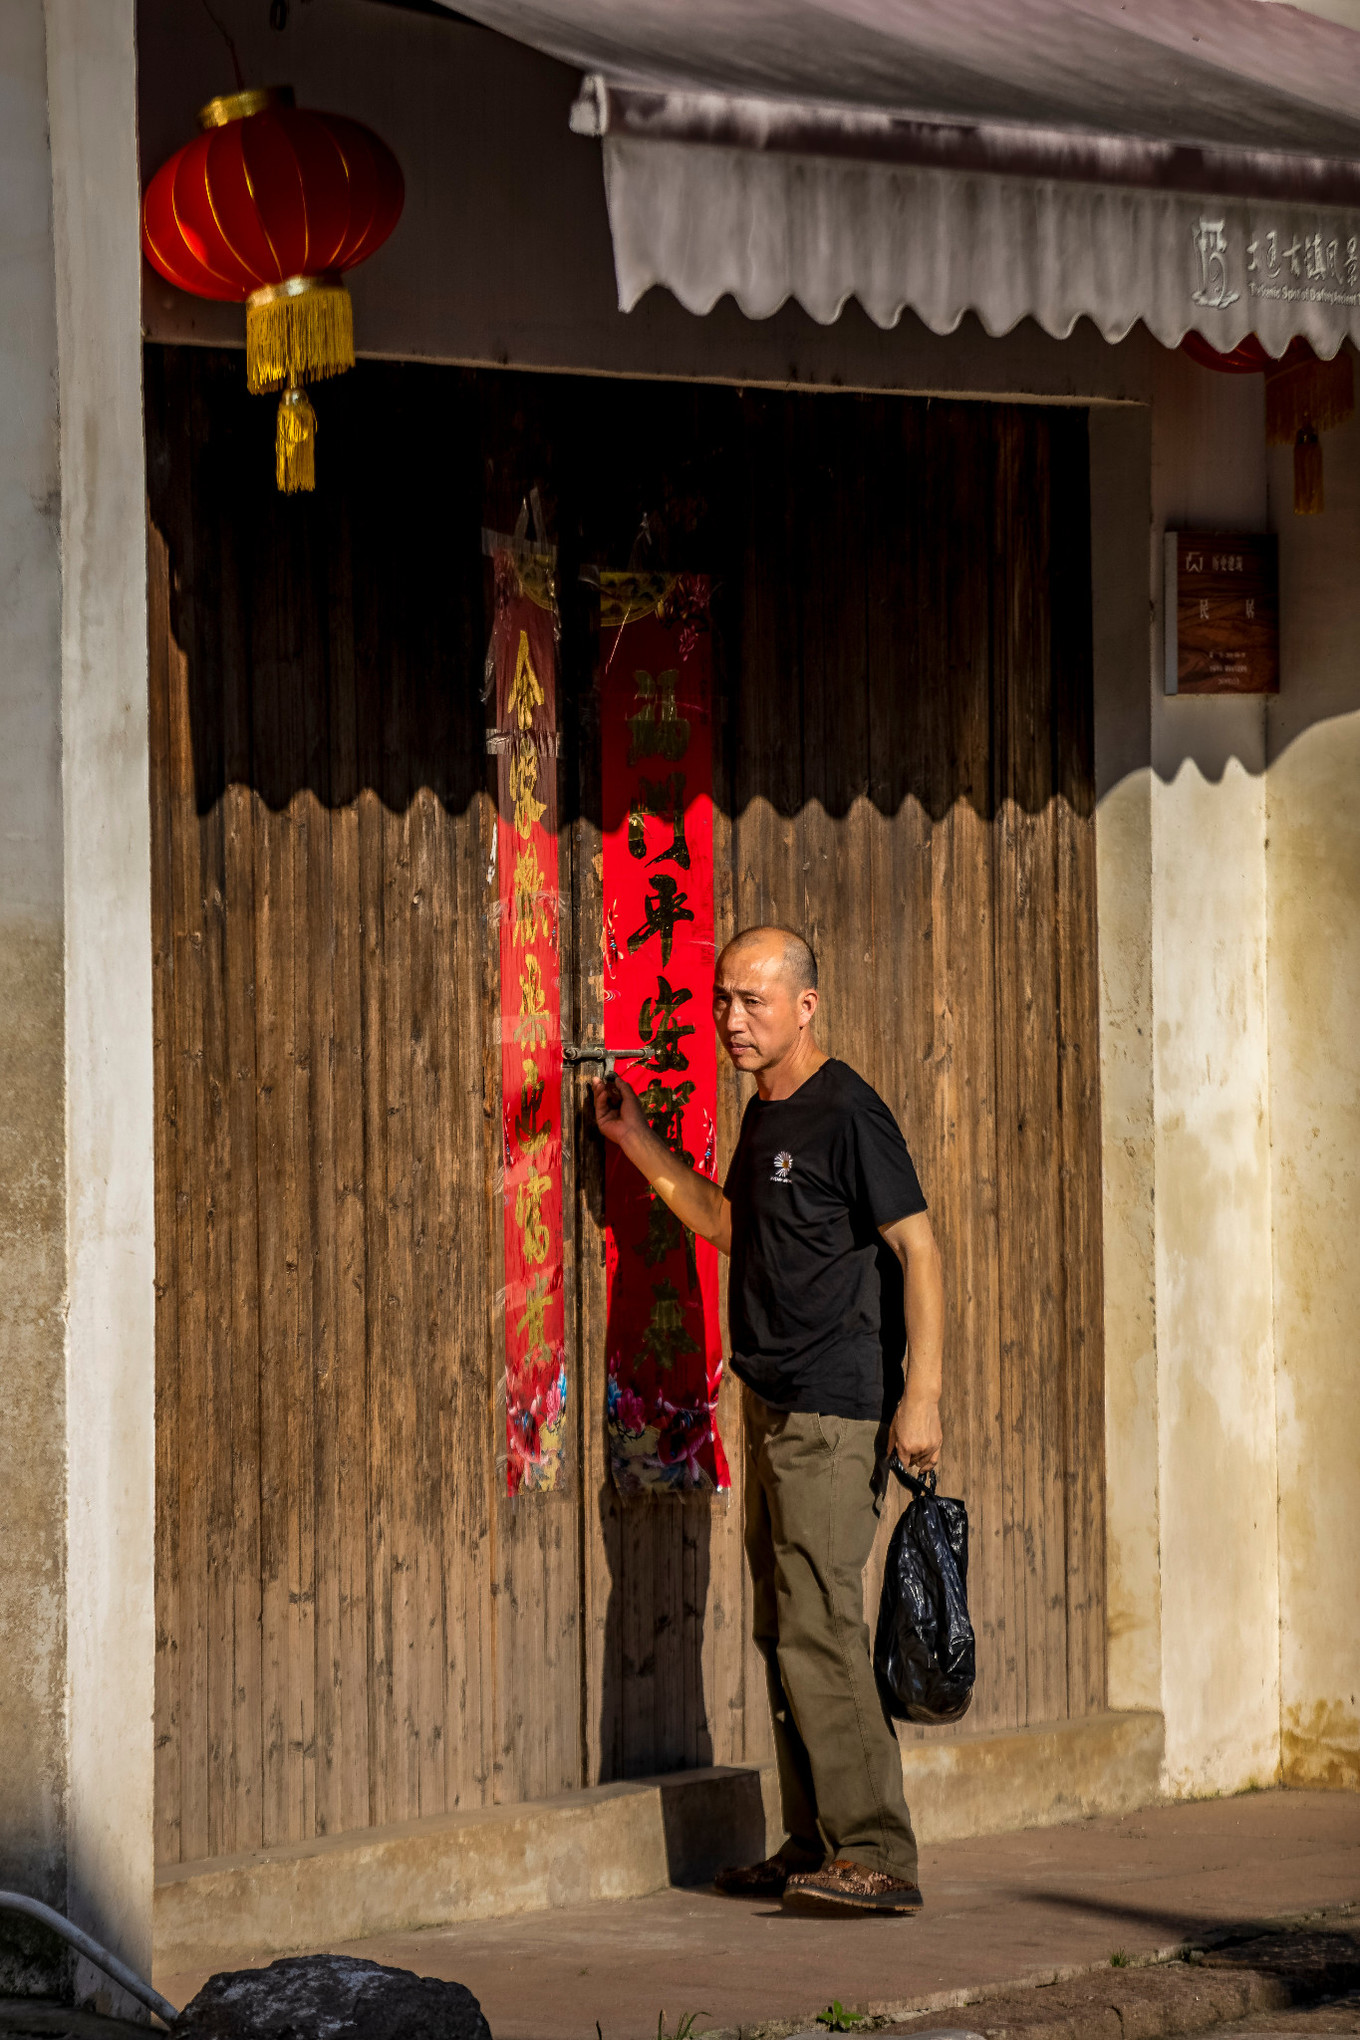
331 1997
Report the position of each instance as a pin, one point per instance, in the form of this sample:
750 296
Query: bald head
796 958
786 947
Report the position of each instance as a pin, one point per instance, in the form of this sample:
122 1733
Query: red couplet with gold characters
664 1354
524 647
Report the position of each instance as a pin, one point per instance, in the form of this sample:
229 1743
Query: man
820 1172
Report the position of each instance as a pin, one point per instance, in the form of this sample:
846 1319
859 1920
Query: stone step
623 1840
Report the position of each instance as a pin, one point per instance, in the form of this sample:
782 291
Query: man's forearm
924 1298
696 1201
915 1434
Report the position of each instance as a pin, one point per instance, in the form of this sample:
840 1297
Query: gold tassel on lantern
302 328
1305 396
295 442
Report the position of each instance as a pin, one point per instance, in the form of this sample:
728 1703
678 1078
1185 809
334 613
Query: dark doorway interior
354 1625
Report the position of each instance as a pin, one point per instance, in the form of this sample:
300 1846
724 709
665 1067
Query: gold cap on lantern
230 106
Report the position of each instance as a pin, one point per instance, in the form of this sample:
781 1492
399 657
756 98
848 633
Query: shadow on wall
1196 460
883 566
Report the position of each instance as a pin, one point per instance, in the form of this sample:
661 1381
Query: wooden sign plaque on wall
1222 613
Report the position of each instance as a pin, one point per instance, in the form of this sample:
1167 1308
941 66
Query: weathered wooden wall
354 1625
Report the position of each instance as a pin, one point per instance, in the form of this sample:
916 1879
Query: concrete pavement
1039 1904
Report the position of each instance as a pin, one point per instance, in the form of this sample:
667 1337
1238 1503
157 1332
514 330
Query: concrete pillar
32 1108
1120 521
1216 1390
110 1254
76 1249
1229 886
1313 903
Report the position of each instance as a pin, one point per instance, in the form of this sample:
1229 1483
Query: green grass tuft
837 2020
684 2031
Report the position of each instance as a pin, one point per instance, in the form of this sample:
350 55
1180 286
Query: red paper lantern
266 208
1305 395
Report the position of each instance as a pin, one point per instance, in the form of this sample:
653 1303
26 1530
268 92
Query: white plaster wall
1313 874
107 859
1120 500
32 1175
1216 1414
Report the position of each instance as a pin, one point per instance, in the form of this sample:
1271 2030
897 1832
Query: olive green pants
811 1514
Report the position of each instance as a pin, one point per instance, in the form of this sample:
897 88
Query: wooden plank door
354 1624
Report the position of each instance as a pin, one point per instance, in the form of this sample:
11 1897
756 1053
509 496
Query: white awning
1189 163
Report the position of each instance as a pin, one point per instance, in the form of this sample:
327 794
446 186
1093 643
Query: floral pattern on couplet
524 650
663 1351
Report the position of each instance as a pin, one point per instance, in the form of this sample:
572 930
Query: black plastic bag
924 1655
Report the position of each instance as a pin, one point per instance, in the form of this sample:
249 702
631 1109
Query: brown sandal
844 1886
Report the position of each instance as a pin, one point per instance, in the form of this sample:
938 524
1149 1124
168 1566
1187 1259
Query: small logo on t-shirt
783 1167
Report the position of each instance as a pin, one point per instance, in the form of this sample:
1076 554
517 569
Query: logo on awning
1211 245
1321 267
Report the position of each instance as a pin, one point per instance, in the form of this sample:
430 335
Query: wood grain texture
354 1625
1026 992
961 1101
1078 1072
737 1720
165 690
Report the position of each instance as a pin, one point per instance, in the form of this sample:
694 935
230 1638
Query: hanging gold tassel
1307 474
302 328
295 443
1303 390
1305 396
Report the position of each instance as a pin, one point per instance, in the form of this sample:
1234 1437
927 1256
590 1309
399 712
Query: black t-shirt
813 1178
